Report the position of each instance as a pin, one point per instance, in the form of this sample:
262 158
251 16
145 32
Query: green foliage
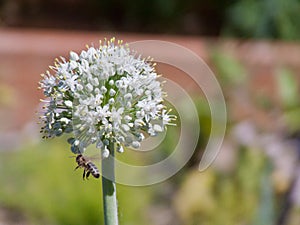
220 198
288 88
264 19
288 93
291 119
266 212
228 69
39 181
278 19
204 119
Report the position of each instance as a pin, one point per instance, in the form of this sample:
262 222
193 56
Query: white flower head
104 95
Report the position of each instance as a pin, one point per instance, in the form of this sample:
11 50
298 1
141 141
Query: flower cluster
102 95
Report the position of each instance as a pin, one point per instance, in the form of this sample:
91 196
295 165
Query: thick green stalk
109 189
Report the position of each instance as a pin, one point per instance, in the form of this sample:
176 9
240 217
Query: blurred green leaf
288 88
265 211
216 198
264 19
230 71
40 181
292 120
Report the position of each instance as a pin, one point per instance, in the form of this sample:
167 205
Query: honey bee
88 167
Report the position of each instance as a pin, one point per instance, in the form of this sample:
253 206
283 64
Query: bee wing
96 158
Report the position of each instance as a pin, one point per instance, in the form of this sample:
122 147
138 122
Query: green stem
109 189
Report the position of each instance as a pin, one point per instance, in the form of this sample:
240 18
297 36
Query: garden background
253 48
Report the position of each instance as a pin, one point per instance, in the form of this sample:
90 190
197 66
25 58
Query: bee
88 167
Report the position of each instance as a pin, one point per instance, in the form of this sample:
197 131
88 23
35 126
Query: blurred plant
266 207
221 198
29 179
264 19
238 18
278 176
288 93
230 71
288 88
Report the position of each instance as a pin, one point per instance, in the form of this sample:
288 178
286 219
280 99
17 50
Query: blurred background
253 48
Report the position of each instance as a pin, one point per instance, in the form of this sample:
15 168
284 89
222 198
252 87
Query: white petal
105 153
68 103
135 144
74 56
125 127
157 128
120 149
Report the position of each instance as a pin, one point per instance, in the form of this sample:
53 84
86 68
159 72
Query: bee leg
88 174
83 176
77 167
